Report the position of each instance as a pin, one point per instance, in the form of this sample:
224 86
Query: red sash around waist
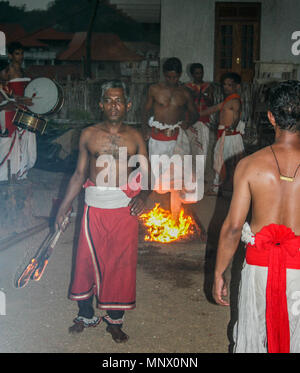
276 247
160 135
220 132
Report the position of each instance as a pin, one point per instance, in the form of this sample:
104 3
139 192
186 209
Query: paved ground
174 313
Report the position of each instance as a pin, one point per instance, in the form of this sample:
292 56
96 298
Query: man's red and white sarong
198 133
166 152
268 315
107 249
229 147
20 146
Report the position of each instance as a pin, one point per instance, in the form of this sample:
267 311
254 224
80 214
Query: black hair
115 83
284 103
195 66
14 46
233 76
172 64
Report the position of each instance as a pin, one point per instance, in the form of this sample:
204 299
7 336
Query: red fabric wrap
107 257
157 134
17 87
277 248
220 132
229 98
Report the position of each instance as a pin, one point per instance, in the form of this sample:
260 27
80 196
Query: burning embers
162 227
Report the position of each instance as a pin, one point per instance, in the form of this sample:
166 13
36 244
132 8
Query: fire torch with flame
36 267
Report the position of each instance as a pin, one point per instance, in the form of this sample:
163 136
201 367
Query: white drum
46 95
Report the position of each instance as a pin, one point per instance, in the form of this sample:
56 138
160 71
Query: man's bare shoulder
134 133
254 162
157 87
186 90
92 130
232 104
4 74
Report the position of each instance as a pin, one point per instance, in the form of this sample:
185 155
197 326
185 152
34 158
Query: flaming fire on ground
162 227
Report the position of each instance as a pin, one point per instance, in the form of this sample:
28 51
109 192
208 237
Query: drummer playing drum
14 81
19 147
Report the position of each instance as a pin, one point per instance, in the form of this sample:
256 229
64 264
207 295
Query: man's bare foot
117 334
80 323
76 328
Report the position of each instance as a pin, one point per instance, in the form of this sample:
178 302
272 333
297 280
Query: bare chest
14 73
170 98
112 144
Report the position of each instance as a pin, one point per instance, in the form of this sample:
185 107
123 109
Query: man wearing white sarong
171 102
269 182
202 93
229 148
17 146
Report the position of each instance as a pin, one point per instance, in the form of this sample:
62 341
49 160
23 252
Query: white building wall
188 31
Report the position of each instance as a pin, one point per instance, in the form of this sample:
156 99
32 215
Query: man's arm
192 112
146 113
211 110
137 203
209 98
231 230
76 181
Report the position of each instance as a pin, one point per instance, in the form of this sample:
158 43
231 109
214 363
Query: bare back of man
273 200
268 182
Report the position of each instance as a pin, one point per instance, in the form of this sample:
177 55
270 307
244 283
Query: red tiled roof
12 31
104 47
15 32
52 34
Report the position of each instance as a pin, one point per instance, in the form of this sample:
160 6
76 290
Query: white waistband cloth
106 197
162 126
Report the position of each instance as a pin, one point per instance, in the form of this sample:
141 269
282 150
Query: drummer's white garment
19 149
250 329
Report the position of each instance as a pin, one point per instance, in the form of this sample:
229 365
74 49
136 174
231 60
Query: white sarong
198 135
227 147
250 329
179 147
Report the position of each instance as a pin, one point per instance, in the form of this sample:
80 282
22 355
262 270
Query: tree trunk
88 70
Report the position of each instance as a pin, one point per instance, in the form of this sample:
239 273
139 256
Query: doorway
237 39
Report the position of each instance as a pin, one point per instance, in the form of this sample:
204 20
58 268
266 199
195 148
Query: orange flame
162 227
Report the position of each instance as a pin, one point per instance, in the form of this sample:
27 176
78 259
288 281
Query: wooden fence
81 103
